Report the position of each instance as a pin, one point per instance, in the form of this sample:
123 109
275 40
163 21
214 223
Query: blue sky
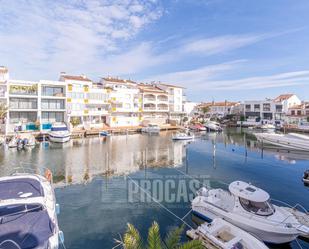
217 49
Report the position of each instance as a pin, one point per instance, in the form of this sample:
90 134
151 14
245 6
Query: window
299 112
259 208
52 104
52 117
24 117
21 103
278 108
53 91
266 107
256 107
292 112
248 107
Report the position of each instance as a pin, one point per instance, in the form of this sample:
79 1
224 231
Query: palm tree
133 240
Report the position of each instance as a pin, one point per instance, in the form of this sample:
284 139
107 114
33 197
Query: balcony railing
149 99
24 90
149 108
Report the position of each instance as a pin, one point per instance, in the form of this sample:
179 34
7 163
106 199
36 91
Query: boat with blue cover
28 213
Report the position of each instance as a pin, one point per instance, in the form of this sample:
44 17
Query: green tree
133 240
205 109
3 111
75 121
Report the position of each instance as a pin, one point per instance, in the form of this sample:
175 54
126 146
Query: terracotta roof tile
73 77
283 97
117 80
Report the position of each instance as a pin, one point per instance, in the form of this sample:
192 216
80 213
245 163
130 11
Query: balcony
149 98
23 90
19 103
162 107
162 98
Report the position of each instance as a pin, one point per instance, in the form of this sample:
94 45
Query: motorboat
248 208
268 127
151 128
291 140
104 133
222 234
182 136
13 142
197 127
213 126
306 177
28 213
59 133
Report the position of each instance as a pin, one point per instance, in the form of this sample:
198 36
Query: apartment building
125 102
298 114
270 109
51 103
176 101
219 109
155 104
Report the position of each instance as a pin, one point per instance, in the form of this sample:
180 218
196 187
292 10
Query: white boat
59 133
268 127
213 126
182 136
248 208
13 142
151 128
302 217
222 234
290 140
28 213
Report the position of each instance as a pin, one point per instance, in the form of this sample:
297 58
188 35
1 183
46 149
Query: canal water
104 183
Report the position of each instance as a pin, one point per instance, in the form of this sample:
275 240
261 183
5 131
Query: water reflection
80 160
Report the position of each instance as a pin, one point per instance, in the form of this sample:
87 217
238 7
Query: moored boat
28 213
290 140
222 234
213 126
59 133
268 127
151 128
249 208
182 136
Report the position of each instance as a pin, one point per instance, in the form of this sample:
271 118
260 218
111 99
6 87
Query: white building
270 110
176 101
219 109
34 105
126 105
155 104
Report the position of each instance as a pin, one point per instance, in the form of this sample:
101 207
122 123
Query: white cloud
220 44
262 82
208 78
196 77
47 37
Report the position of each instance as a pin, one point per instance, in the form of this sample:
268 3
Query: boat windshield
15 209
62 128
259 208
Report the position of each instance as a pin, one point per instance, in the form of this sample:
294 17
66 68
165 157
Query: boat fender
48 175
57 209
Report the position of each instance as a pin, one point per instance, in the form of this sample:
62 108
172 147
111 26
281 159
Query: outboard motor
25 141
19 143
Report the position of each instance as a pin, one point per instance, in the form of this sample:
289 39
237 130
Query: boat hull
284 142
266 234
59 139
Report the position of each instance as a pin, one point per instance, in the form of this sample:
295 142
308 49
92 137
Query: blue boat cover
14 188
29 226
